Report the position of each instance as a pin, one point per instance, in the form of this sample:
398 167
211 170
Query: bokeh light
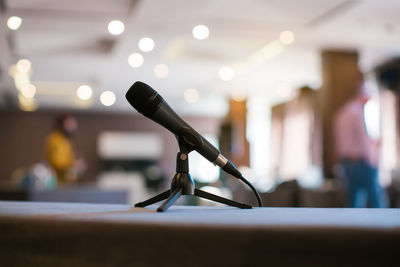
287 37
107 98
191 95
161 71
135 60
28 91
14 22
146 44
116 27
200 32
84 92
24 65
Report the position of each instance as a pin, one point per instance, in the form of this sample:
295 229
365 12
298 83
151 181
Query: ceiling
69 45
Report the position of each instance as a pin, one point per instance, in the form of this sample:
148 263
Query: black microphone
148 102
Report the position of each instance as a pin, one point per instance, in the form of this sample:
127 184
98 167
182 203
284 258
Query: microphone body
149 103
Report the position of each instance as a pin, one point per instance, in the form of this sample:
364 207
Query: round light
14 23
84 92
287 37
24 65
146 44
191 95
161 71
116 27
135 60
226 73
28 91
107 98
200 32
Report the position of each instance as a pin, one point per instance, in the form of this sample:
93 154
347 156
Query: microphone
148 102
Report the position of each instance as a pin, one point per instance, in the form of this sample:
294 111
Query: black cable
232 170
260 204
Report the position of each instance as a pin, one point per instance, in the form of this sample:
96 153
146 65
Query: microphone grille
143 98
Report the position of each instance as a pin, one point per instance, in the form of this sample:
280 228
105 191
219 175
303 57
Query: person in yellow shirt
59 149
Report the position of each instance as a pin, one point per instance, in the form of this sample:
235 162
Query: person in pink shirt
357 152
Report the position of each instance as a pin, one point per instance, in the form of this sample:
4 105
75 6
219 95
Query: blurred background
261 80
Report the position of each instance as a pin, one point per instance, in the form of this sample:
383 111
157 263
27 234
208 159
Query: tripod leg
153 200
219 199
170 200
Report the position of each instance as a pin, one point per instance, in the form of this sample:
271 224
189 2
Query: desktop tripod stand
182 184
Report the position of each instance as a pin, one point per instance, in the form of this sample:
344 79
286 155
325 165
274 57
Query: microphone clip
188 140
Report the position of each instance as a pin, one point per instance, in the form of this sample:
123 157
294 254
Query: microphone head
143 98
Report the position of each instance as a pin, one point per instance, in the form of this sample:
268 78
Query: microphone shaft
177 125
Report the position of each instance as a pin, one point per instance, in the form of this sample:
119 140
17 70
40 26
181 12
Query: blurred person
60 151
357 152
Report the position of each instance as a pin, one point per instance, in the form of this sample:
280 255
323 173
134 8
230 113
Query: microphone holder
183 184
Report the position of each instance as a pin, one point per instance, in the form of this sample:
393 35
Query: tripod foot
170 200
206 195
153 200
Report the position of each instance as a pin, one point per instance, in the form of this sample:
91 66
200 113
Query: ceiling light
191 95
24 65
146 44
287 37
161 71
116 27
135 60
84 92
28 91
226 73
200 32
107 98
14 23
